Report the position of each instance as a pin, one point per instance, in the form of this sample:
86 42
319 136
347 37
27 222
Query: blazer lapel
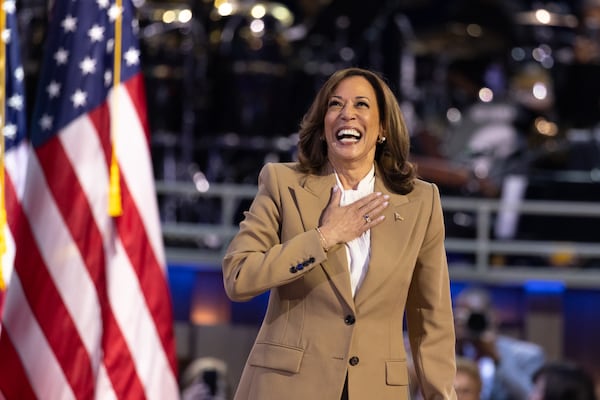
312 197
388 240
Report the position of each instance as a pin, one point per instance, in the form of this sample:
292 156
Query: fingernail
385 203
335 188
387 196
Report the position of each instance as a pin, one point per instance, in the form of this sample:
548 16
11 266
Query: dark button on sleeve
349 320
354 360
293 270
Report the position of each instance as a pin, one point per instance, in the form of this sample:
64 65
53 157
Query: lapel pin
398 217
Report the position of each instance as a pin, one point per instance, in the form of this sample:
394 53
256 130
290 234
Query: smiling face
352 124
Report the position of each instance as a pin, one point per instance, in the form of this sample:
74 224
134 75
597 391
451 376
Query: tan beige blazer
314 332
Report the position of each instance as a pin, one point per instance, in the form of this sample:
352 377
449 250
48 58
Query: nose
347 113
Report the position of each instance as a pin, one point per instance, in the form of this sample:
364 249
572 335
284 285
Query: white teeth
348 134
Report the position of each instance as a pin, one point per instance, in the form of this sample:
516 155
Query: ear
381 136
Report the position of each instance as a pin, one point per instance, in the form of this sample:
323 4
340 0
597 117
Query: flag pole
3 220
115 207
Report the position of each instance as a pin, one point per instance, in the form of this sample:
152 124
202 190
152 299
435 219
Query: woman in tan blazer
349 243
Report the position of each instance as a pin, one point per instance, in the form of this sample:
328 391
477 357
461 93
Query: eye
362 104
334 103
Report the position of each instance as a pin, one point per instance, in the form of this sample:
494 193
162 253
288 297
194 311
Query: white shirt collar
365 186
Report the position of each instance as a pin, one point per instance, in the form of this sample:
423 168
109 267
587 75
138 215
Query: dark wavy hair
391 156
566 381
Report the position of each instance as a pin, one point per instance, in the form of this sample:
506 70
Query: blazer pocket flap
396 373
269 355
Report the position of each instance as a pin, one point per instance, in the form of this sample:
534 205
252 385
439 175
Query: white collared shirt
358 251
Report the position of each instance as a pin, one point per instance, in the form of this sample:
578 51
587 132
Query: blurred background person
562 381
205 378
506 364
467 382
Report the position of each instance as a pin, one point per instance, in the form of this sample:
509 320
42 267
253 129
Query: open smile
348 135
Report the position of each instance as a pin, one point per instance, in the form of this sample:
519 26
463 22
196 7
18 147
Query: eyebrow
356 97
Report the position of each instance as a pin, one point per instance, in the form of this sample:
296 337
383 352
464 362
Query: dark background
213 99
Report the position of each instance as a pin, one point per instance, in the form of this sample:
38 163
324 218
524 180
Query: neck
351 176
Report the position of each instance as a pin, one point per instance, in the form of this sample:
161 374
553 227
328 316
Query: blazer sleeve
429 310
256 260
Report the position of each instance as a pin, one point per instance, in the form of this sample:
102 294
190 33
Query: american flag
88 312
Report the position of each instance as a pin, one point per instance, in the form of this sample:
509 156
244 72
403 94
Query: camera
477 323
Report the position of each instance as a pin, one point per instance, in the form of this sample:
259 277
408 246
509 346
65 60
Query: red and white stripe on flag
88 312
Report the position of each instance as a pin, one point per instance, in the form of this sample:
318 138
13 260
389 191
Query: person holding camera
506 364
